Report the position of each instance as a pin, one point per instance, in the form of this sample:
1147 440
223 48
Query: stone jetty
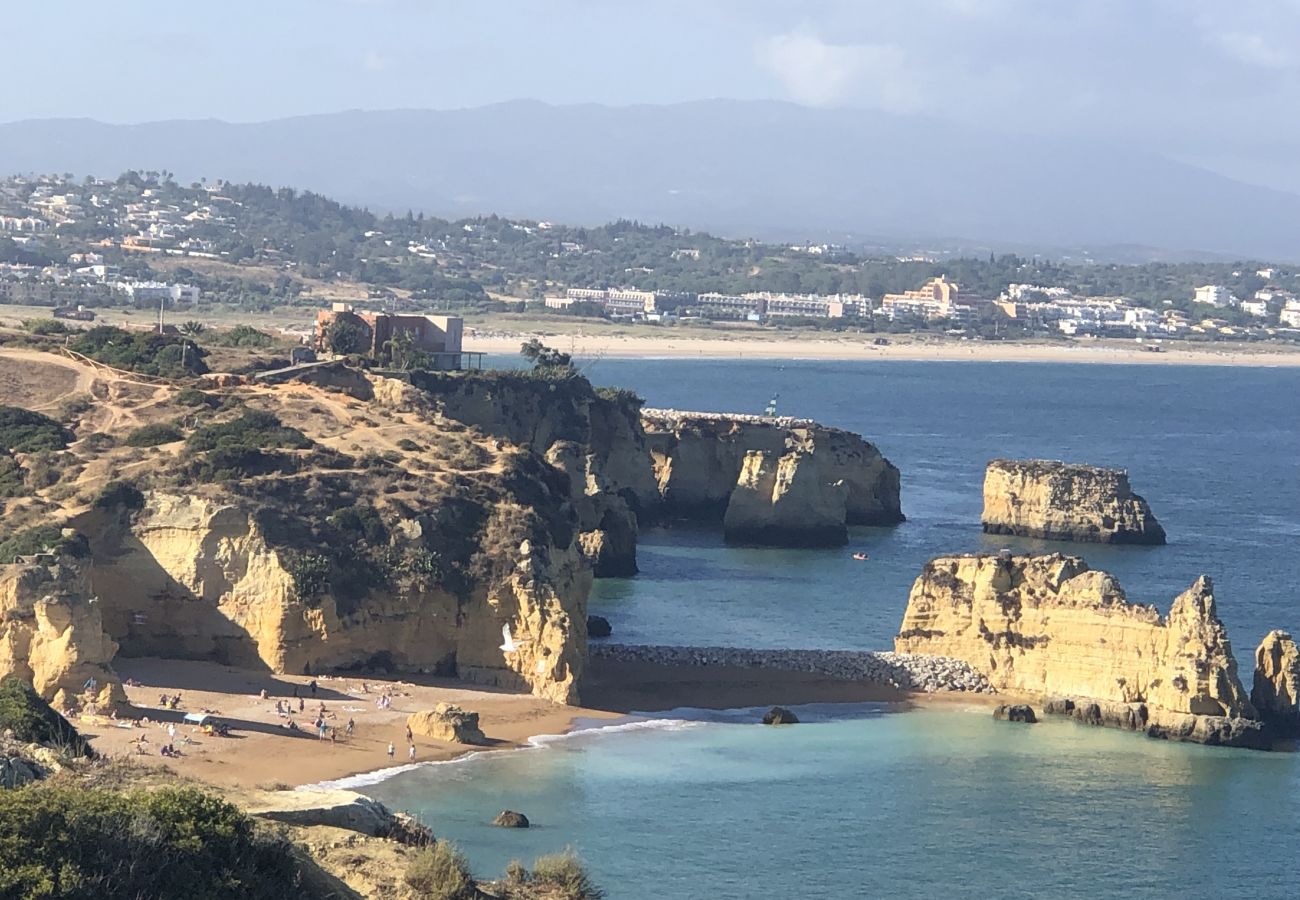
913 672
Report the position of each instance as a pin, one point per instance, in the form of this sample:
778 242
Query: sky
1211 82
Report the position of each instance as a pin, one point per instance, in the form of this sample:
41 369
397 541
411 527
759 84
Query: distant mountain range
736 168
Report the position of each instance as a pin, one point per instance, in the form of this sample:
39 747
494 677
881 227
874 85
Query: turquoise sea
860 803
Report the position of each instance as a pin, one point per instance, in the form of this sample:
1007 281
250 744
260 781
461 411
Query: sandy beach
900 347
260 753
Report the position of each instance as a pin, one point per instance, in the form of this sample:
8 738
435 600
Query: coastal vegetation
31 720
144 352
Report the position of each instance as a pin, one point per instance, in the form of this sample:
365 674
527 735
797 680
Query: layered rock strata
770 480
919 673
1049 626
1065 502
52 634
197 577
1276 689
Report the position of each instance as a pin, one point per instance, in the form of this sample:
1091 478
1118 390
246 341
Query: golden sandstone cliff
52 635
1049 626
347 521
1066 502
775 481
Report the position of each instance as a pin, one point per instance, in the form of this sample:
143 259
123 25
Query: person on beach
302 705
411 753
351 726
313 687
391 749
410 735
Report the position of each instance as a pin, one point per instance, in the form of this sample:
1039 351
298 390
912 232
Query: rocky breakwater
52 635
1051 627
779 481
1066 502
919 673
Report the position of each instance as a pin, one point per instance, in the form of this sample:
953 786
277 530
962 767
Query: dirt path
40 381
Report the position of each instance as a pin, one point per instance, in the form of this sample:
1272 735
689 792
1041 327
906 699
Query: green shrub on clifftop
440 872
60 842
153 435
24 431
34 721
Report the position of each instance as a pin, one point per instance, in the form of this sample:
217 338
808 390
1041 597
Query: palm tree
193 328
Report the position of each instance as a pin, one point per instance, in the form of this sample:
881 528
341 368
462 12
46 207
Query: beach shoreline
904 348
261 754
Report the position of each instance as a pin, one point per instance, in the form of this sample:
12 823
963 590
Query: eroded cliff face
595 438
52 635
1063 502
785 501
196 577
1276 691
791 480
1049 626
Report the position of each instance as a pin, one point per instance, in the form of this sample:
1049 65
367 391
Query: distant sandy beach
899 348
261 754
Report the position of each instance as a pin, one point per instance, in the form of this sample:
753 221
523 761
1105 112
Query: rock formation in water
1276 691
1064 502
1050 627
1015 712
52 635
775 481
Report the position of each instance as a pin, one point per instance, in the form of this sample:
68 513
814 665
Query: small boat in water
860 556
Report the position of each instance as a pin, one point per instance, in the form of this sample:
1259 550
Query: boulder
510 819
1018 712
1059 501
448 723
598 627
1276 692
779 715
15 771
1050 626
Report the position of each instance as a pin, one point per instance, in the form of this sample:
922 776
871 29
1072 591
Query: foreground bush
440 872
563 877
33 721
60 842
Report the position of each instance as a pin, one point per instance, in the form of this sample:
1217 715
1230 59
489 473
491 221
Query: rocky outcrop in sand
781 481
446 722
334 808
52 634
1051 627
197 577
1064 502
1276 691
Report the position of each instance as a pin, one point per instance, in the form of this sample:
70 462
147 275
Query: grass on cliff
244 446
33 721
441 872
42 539
24 431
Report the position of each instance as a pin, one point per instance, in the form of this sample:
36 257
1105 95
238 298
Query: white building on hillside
1215 295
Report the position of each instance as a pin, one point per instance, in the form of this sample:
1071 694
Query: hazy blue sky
1209 81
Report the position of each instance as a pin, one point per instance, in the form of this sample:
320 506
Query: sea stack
1059 501
1276 692
770 480
1051 627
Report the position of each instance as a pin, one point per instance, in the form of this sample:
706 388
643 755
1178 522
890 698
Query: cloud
1254 50
818 73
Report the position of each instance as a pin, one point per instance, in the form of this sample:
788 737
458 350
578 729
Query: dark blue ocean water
927 804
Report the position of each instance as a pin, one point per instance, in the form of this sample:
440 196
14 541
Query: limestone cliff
1064 502
785 501
1049 626
52 636
704 463
593 436
1276 691
197 577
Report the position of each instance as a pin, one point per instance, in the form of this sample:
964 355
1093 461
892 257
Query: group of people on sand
166 702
